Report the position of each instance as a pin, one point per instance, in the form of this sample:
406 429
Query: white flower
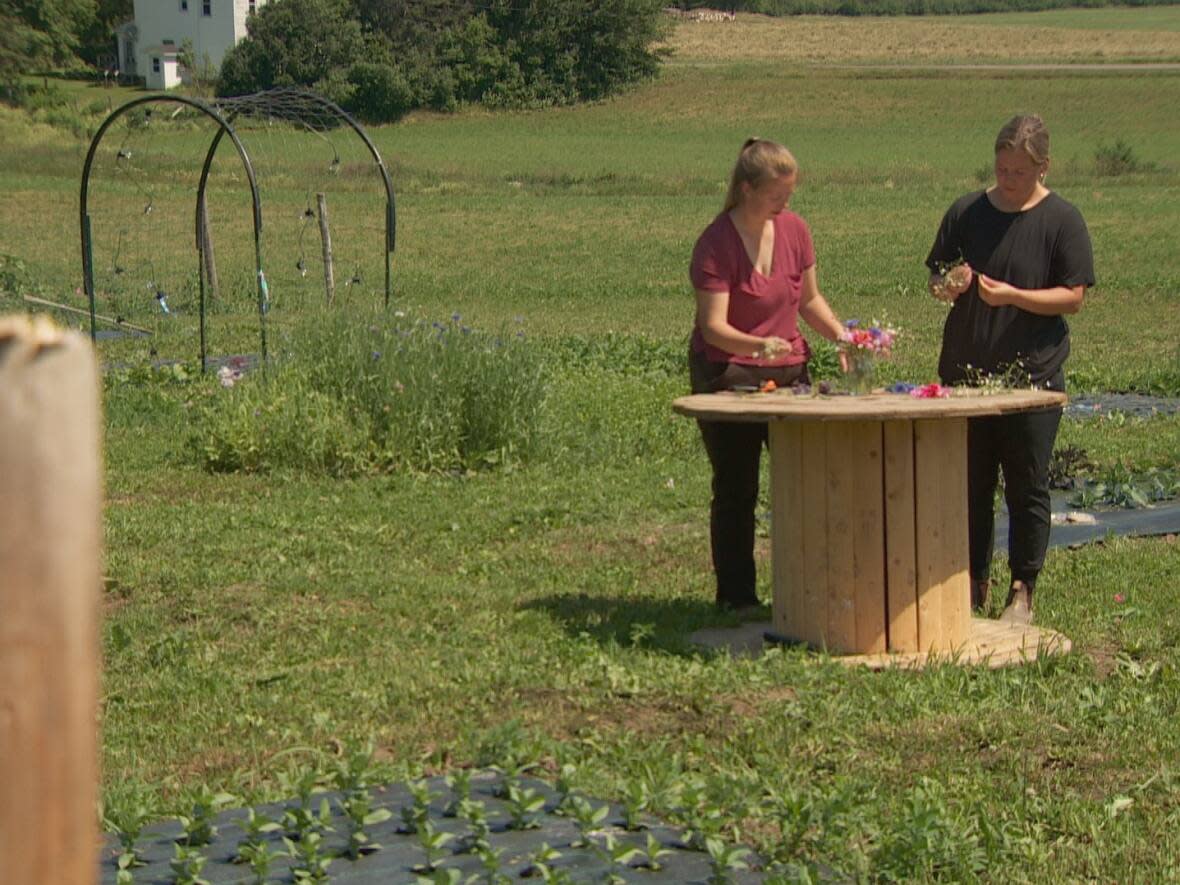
228 376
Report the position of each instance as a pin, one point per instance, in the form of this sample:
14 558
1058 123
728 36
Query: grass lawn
258 624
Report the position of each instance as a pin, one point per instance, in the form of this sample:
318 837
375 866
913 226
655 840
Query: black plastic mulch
401 855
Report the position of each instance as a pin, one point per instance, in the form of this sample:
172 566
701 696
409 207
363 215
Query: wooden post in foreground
321 203
206 246
50 534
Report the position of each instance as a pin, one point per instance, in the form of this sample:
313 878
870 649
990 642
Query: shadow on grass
636 621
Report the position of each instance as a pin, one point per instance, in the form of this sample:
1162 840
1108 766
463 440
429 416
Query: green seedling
540 864
636 800
649 856
565 789
432 841
259 857
724 860
199 828
523 807
359 813
617 855
413 816
187 865
460 785
255 826
352 775
479 839
126 861
489 858
310 861
301 820
509 775
588 820
127 822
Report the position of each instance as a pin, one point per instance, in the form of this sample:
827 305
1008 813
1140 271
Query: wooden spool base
991 643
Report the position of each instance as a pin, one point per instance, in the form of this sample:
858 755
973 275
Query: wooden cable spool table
869 522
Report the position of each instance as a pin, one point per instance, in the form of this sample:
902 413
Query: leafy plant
617 855
489 859
523 807
540 864
187 864
565 788
415 815
199 828
636 800
127 819
724 860
259 856
651 852
310 861
459 782
432 841
255 826
587 818
479 839
358 809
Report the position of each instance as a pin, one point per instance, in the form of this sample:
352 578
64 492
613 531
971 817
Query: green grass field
258 623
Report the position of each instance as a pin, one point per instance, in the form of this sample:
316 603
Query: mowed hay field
538 613
1052 37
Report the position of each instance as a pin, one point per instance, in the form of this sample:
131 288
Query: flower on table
875 338
930 391
767 386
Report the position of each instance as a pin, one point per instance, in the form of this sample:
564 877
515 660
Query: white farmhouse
149 45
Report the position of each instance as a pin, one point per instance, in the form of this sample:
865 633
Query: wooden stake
321 203
114 321
50 533
207 252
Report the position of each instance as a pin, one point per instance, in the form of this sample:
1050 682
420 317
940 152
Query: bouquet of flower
864 345
875 339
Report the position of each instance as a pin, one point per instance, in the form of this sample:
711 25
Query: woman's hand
995 293
772 348
950 285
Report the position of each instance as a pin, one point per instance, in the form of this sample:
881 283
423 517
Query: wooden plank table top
785 405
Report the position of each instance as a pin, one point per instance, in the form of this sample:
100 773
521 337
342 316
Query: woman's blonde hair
1025 132
758 161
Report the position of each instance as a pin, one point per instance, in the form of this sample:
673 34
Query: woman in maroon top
753 270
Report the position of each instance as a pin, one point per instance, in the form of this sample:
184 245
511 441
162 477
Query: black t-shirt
1038 248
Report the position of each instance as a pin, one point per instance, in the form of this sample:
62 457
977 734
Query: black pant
735 451
1020 444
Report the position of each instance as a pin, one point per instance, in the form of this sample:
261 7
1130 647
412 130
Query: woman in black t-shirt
1012 260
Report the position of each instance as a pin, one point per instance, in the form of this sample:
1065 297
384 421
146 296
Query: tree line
382 58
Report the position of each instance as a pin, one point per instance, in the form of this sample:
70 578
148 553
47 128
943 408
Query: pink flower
1119 598
930 391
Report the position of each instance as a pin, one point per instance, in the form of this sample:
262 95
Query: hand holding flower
773 348
952 283
995 292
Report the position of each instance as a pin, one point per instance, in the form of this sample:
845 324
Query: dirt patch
565 717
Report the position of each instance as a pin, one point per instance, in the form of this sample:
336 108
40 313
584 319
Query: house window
253 7
206 8
184 5
155 64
